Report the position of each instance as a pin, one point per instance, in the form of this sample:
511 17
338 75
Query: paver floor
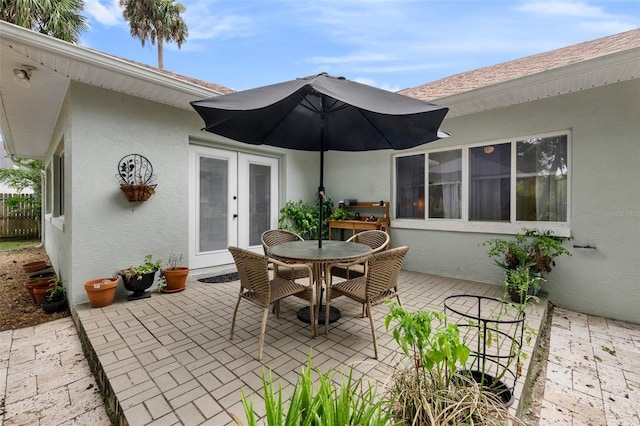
45 378
593 372
167 360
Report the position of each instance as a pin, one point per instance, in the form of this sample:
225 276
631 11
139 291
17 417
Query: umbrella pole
321 199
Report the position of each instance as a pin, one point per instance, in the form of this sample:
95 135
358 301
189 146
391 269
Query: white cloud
107 13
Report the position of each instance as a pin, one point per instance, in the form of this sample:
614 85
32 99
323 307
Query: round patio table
309 252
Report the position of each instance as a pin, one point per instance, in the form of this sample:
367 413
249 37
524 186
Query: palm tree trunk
160 54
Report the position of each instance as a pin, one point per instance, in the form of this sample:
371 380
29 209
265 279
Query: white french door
233 199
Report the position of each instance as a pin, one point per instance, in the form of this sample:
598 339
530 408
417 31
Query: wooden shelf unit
366 209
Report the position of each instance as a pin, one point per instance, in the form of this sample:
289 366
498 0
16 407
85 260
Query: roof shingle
487 76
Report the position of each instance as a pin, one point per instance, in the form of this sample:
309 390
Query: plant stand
494 333
138 284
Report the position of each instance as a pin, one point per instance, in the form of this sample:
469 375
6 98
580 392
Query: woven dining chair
257 288
377 240
379 283
274 237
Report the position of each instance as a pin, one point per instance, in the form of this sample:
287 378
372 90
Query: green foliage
532 249
434 347
340 214
58 18
56 291
520 280
321 404
157 21
144 268
28 175
302 218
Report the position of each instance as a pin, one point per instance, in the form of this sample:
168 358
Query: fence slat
25 224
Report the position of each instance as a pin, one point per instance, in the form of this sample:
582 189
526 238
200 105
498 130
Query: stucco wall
605 200
103 232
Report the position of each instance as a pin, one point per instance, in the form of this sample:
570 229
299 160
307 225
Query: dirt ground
16 307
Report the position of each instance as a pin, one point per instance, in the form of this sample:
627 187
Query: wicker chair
378 284
274 237
257 288
377 240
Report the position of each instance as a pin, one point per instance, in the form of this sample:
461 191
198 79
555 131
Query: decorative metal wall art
135 174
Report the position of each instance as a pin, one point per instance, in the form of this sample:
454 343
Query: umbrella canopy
322 113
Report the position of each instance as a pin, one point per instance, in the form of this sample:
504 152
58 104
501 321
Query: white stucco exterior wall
605 200
103 232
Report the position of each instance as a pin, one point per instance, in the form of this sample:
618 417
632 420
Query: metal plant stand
493 329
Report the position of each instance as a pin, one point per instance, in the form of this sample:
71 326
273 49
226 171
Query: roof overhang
601 71
28 115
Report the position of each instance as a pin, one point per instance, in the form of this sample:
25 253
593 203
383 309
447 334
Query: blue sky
392 44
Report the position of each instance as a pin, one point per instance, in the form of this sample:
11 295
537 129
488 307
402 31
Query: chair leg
398 296
262 330
373 331
235 311
327 305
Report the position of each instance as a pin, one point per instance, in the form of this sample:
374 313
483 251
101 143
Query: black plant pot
489 384
138 284
53 306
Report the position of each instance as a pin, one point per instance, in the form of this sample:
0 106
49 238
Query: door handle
235 215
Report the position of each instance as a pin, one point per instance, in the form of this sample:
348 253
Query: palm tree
61 19
156 20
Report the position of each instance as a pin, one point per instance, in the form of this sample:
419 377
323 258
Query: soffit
28 115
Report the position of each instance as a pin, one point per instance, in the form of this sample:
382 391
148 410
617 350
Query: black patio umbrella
322 113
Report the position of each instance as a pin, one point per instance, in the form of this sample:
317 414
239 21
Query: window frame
55 188
512 226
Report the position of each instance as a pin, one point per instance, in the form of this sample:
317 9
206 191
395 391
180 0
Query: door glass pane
259 201
541 179
489 186
445 184
410 187
214 211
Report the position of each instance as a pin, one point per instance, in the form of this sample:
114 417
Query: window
58 184
483 186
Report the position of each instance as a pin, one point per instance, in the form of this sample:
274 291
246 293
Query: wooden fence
18 225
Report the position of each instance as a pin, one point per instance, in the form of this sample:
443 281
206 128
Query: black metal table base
334 314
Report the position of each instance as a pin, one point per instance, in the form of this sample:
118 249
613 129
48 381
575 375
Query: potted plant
101 291
340 214
302 218
173 278
522 282
533 250
139 278
56 298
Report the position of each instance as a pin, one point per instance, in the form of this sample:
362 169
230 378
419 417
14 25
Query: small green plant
340 214
56 291
302 218
433 390
149 265
434 347
321 404
532 249
519 281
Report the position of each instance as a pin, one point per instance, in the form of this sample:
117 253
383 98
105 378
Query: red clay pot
101 291
175 278
40 283
35 266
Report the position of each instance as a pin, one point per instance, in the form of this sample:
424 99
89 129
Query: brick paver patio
168 359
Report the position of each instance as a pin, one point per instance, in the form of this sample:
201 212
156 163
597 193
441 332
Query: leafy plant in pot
173 278
56 298
434 387
533 250
139 278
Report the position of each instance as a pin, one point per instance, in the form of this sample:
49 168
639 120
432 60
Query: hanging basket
138 192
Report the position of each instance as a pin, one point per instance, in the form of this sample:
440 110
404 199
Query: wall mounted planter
135 174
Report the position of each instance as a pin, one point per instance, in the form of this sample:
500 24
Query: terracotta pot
101 291
176 279
39 283
31 267
39 294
